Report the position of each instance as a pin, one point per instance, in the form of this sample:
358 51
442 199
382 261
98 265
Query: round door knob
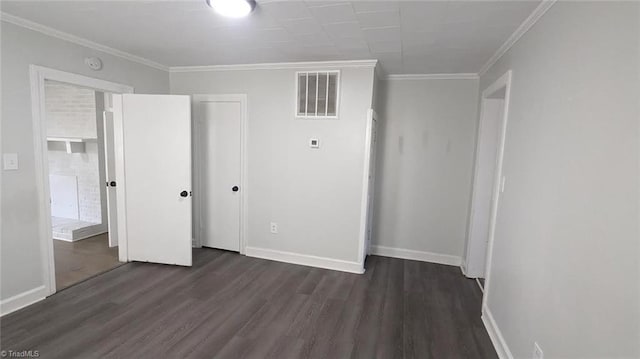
235 188
184 194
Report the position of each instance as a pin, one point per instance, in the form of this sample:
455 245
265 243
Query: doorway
488 181
76 170
160 150
64 160
219 162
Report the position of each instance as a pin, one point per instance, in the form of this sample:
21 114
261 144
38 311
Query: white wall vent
317 94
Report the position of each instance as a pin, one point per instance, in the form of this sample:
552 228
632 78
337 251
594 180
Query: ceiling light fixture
232 8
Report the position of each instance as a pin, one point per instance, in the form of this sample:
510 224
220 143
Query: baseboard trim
305 260
416 255
22 300
495 335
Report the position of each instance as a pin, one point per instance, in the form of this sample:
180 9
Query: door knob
184 194
235 188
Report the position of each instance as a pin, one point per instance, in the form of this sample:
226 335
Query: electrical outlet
10 161
274 228
537 352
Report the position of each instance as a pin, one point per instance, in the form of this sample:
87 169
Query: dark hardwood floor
232 306
77 261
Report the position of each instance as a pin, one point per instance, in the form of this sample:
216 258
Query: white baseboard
305 260
416 255
22 300
496 335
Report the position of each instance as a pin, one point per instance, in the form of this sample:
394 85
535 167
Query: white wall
426 143
313 194
20 244
71 112
565 269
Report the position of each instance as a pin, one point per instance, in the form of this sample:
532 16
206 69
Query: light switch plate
10 161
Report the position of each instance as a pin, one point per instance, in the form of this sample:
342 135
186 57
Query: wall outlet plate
537 352
274 228
10 161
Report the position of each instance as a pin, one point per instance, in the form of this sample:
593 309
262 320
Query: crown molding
15 20
279 66
520 31
458 76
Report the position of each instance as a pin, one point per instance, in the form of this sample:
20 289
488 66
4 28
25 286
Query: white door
220 144
156 132
484 178
110 175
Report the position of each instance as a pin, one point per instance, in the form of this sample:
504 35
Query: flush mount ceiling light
232 8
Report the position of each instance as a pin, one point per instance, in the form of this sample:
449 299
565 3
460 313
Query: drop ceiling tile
333 13
419 38
344 30
273 35
302 26
356 54
379 19
284 10
390 33
422 16
316 39
348 43
375 6
382 47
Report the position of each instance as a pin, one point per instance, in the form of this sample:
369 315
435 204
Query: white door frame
503 82
364 206
38 76
197 161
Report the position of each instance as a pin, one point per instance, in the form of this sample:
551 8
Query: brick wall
71 112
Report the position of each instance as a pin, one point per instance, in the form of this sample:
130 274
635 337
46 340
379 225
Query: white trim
520 31
416 255
364 204
502 349
503 81
120 175
458 76
12 19
305 260
309 65
244 182
22 300
38 75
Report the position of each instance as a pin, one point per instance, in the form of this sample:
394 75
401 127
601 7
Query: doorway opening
77 176
68 112
488 181
219 140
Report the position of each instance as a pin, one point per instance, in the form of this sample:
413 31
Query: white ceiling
408 37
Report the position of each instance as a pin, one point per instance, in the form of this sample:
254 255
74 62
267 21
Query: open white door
156 171
366 221
109 158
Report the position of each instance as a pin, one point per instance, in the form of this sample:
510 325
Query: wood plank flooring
232 306
77 261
